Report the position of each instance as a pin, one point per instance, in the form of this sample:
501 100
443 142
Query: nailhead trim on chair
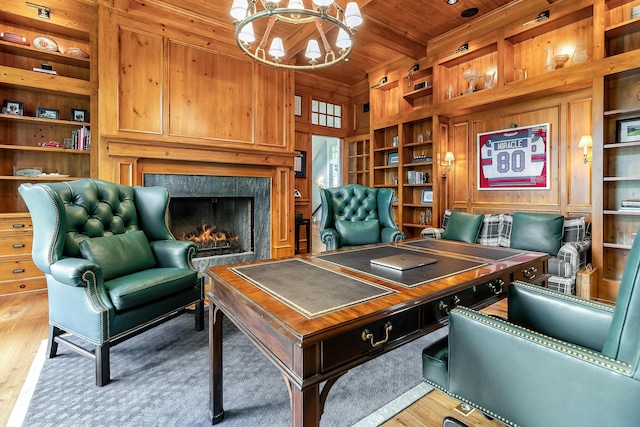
568 297
539 338
97 303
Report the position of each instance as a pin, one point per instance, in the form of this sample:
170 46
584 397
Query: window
325 114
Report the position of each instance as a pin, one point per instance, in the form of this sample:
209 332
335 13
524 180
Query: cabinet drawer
17 270
15 223
17 286
351 345
15 244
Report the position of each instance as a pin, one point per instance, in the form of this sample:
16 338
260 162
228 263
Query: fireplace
228 217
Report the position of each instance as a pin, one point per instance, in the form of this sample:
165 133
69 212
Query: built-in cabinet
554 64
358 153
46 91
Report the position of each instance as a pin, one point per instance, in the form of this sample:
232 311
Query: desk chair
559 360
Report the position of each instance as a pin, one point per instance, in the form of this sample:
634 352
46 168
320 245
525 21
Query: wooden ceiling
391 29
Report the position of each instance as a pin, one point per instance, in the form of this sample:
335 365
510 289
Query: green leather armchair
559 360
355 215
112 267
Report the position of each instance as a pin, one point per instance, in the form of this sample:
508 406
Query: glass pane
337 122
314 118
323 120
314 105
330 121
323 107
330 109
337 111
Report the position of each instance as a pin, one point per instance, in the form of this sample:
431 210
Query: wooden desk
316 317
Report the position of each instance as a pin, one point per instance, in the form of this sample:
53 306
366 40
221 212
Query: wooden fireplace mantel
130 160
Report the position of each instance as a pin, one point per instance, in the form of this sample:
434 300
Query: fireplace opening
218 225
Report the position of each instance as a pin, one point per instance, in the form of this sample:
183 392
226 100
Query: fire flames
207 237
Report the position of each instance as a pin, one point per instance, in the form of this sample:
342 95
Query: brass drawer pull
18 245
530 273
496 286
368 336
18 270
18 225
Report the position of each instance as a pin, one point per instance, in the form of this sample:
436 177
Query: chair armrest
329 237
174 253
391 235
565 317
523 377
574 253
434 233
76 272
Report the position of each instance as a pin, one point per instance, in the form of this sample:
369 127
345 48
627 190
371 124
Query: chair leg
199 314
52 345
103 370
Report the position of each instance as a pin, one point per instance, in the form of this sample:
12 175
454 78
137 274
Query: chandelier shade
280 28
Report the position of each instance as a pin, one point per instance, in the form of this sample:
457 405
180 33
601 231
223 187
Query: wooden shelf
618 212
419 93
43 149
50 83
43 55
623 29
31 119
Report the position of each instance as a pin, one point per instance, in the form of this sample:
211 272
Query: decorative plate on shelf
14 38
76 51
45 43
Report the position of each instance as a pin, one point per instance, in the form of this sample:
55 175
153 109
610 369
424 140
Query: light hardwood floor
24 323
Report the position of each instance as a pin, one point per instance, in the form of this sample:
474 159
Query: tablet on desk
403 261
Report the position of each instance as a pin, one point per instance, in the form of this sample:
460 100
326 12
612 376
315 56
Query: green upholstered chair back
66 213
355 202
623 340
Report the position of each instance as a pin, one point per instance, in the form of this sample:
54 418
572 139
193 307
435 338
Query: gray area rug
160 378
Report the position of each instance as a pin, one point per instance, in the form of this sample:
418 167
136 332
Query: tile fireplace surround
225 186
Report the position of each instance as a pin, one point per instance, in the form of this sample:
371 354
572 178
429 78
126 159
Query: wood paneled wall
570 186
171 100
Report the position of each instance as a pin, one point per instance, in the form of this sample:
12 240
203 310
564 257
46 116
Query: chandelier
285 23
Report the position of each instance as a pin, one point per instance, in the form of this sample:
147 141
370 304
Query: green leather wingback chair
559 360
112 267
355 215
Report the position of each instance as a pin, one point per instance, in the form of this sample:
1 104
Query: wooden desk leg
305 406
216 411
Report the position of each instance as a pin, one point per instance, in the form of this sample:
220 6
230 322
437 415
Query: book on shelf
81 139
630 208
630 203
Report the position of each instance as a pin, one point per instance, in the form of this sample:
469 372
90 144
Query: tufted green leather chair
559 360
355 215
112 267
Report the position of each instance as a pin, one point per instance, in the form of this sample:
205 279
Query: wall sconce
448 158
585 142
43 11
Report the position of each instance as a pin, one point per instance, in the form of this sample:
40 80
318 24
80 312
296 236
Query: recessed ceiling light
469 12
452 1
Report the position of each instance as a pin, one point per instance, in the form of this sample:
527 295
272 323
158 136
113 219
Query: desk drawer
23 285
531 272
18 270
351 345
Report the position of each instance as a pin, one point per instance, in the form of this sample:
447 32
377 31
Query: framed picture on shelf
47 113
300 164
427 197
392 159
297 105
514 158
13 108
628 130
79 115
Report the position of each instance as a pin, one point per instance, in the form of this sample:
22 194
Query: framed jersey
514 159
